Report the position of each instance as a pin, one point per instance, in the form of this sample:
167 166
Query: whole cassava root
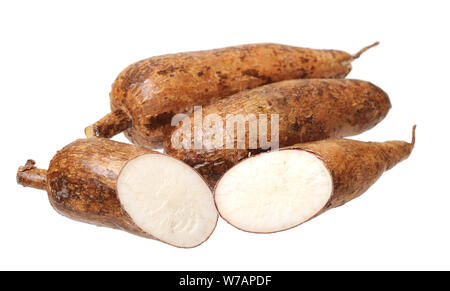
308 110
147 94
279 190
122 186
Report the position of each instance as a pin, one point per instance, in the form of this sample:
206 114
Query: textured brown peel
308 110
151 91
81 182
356 165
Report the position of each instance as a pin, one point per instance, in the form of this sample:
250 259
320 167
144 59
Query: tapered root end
30 176
413 139
358 54
397 150
110 125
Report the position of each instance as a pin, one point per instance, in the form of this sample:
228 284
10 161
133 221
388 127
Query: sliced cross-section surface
167 199
274 191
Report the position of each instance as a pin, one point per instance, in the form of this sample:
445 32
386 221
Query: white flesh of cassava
167 199
273 191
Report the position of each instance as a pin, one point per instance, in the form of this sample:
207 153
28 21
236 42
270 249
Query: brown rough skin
151 91
81 182
356 165
308 110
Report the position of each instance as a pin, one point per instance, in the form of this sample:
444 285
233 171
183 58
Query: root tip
358 54
28 166
413 139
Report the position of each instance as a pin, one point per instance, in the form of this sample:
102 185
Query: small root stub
30 176
28 165
111 124
364 49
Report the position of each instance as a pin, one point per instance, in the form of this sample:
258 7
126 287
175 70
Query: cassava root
279 190
308 110
147 94
122 186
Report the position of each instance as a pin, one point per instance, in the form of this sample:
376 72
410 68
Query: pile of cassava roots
175 195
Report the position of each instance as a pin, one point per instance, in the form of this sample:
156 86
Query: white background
59 59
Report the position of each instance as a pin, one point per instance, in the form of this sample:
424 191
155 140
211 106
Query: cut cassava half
279 190
117 185
147 94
